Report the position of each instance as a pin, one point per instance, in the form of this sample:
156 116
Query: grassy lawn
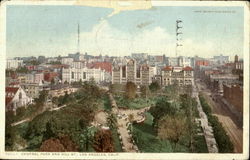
136 103
106 103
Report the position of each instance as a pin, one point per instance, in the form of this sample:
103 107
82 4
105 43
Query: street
228 120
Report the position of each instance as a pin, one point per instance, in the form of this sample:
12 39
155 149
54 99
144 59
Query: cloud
105 39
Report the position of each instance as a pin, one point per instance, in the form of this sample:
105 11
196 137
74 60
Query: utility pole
178 36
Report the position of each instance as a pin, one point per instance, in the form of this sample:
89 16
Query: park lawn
106 103
136 103
146 138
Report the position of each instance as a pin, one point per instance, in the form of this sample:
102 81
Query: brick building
48 76
234 95
179 75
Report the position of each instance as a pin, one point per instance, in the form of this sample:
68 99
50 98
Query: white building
139 56
221 59
15 97
184 61
179 61
83 74
52 59
67 60
13 63
78 64
34 78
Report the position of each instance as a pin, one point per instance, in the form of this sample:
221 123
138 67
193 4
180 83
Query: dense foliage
103 141
72 121
154 86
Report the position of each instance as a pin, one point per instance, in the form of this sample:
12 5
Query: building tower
236 58
178 36
78 38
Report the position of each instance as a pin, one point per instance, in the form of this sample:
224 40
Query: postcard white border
76 155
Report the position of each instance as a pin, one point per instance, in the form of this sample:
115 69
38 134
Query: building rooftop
11 89
8 100
187 68
167 68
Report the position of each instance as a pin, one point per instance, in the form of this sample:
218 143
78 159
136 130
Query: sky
52 31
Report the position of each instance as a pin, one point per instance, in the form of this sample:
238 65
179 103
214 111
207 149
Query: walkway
125 136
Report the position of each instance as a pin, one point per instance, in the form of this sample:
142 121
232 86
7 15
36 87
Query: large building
129 71
13 63
181 76
221 59
72 74
234 95
77 56
216 81
139 56
238 64
67 60
180 61
32 90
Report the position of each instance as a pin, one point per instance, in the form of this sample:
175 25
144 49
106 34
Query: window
124 71
72 75
84 75
138 73
20 95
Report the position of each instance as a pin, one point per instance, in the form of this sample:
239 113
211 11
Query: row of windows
83 75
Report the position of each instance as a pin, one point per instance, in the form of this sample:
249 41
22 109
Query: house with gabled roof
16 97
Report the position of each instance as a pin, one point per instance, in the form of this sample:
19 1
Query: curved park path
123 121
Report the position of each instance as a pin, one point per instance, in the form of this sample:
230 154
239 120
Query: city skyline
144 32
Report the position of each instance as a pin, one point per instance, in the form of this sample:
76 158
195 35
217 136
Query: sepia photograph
124 80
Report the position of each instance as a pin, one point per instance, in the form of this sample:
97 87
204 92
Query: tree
130 90
144 91
188 105
172 91
42 97
49 131
66 82
10 133
112 121
61 144
65 98
52 81
172 128
86 139
131 117
154 86
162 108
103 141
